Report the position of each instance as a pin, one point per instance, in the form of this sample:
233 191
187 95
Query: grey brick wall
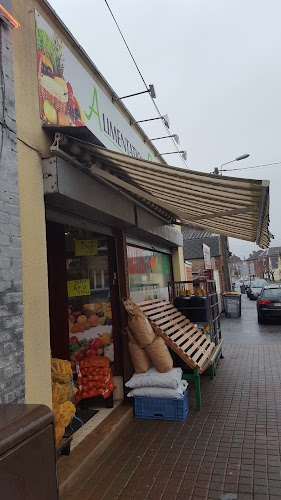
12 388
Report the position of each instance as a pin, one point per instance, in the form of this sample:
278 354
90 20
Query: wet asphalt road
246 330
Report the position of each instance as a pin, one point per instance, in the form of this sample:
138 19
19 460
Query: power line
257 166
145 84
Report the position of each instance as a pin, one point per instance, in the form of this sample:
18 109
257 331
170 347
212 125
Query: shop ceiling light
165 119
6 17
150 90
175 136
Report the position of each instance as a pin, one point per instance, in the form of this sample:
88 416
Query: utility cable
257 166
146 86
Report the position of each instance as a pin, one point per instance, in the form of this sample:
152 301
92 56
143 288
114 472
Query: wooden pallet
179 333
184 338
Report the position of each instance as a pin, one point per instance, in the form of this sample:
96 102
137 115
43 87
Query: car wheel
261 320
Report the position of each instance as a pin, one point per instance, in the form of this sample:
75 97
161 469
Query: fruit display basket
49 88
161 408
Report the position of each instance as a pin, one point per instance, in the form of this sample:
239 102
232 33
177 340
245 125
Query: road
246 330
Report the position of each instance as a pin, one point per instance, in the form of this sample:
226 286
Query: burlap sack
139 324
159 355
140 359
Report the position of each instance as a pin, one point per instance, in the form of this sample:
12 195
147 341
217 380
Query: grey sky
216 69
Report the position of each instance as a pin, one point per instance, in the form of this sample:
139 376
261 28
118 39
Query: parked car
255 288
269 303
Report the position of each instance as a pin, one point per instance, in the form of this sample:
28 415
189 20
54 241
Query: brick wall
11 309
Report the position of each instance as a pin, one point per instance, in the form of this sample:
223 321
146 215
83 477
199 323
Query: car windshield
272 293
258 284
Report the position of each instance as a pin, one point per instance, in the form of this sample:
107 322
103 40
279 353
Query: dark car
255 289
269 303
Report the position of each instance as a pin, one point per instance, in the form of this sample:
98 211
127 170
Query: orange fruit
82 319
105 338
63 119
93 320
80 327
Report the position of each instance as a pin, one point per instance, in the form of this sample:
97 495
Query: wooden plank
173 322
147 302
182 331
150 303
202 349
190 341
211 355
165 312
160 322
176 349
178 325
195 346
190 332
165 307
208 354
180 341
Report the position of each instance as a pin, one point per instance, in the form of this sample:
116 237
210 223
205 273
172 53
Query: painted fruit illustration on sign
90 331
58 104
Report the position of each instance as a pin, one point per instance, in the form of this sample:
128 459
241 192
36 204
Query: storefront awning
230 206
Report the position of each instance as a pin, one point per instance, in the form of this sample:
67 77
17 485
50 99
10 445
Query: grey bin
232 304
28 463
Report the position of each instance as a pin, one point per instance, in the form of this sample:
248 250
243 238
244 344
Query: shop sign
207 256
86 247
78 288
69 96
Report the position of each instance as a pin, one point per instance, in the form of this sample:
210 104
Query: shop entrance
83 295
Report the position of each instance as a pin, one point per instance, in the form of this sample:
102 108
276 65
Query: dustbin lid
18 422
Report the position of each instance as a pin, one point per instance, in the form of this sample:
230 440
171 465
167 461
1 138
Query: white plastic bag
160 392
153 378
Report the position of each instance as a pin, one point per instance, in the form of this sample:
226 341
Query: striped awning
229 206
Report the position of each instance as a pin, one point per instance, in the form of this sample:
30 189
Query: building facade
132 250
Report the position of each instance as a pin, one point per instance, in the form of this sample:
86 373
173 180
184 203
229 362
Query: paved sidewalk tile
228 451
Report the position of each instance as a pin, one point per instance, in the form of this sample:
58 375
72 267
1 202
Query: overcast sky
216 69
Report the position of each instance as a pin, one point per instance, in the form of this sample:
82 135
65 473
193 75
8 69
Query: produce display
58 105
94 378
90 328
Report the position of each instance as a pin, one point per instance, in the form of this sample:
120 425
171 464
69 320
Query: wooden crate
186 340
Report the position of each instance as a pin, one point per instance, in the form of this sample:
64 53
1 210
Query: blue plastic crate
161 408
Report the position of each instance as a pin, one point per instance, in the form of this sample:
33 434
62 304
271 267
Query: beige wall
35 283
32 144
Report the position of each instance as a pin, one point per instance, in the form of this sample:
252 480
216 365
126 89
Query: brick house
266 263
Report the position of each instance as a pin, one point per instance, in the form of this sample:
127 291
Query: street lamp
242 157
224 242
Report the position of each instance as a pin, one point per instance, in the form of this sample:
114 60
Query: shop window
149 273
88 286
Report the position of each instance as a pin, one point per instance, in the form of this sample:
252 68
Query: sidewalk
230 450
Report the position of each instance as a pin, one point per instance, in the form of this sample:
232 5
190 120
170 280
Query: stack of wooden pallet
184 338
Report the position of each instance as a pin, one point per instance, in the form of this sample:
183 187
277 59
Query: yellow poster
86 247
77 288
